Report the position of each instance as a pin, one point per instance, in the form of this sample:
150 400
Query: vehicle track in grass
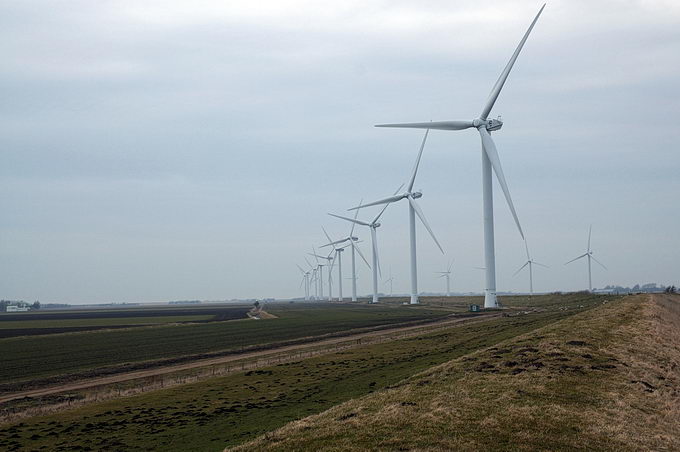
321 346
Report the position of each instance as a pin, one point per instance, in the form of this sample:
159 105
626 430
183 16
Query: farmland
42 361
230 410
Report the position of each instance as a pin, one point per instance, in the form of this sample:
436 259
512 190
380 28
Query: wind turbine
351 239
413 210
589 255
490 160
330 267
447 275
530 262
305 281
313 279
390 280
373 225
319 267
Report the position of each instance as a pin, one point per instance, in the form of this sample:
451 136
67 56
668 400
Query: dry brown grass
606 379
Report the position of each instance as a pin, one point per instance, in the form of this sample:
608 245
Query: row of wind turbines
312 279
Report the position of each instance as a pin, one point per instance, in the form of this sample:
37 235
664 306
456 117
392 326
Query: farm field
230 410
68 321
36 357
604 379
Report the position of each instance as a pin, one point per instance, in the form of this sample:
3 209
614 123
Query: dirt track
100 381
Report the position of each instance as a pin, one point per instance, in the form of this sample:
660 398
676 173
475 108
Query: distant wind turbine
373 225
447 275
390 280
305 281
530 262
330 284
589 255
413 210
490 160
352 240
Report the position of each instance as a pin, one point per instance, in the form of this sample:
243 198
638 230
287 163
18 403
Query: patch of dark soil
648 387
346 416
408 404
603 367
577 343
510 363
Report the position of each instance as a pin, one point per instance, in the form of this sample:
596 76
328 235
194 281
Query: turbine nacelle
416 195
490 125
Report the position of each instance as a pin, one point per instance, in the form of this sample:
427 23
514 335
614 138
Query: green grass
230 410
26 358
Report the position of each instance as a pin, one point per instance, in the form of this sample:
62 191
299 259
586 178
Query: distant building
13 308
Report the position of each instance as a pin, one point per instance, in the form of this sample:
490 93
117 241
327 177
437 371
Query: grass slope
237 408
605 379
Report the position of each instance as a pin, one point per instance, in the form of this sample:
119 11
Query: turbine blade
383 209
521 268
598 262
314 254
590 232
450 266
300 268
539 264
421 215
490 149
333 263
374 241
380 201
438 125
351 231
317 256
496 90
361 254
415 167
310 265
363 223
335 242
576 258
526 247
326 234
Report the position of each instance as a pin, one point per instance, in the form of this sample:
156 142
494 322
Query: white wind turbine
413 210
447 275
352 241
589 255
305 281
330 268
490 160
313 280
373 225
530 263
319 267
390 280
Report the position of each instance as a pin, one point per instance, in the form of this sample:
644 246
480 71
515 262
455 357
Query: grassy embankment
605 379
233 409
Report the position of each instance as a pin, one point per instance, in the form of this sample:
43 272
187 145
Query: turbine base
490 300
414 299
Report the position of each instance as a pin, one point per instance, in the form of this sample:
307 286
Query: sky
170 150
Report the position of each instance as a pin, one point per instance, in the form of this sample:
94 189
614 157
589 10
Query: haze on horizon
191 150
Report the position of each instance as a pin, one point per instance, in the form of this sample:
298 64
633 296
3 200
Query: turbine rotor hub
416 195
490 124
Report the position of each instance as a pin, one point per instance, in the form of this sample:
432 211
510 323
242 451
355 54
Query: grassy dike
234 409
605 379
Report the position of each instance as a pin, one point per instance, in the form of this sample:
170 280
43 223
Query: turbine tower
413 210
530 262
447 275
490 160
373 225
589 255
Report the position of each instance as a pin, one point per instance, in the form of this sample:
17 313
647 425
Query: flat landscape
393 376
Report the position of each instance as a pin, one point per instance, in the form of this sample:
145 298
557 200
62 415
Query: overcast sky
165 150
